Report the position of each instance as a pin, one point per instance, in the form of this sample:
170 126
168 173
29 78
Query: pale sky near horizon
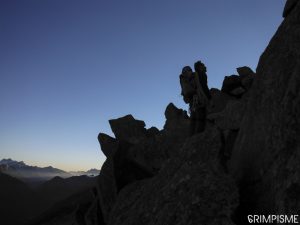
68 66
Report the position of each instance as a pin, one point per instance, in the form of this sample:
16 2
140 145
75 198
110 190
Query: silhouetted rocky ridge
245 162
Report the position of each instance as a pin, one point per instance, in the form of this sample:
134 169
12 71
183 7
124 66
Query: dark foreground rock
192 189
128 162
266 154
290 5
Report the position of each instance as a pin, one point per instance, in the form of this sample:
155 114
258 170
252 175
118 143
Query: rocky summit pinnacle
245 162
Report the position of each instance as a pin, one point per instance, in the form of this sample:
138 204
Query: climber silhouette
195 92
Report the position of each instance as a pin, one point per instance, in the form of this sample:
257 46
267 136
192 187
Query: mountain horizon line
9 162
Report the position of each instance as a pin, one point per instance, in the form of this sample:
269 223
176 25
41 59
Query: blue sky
68 66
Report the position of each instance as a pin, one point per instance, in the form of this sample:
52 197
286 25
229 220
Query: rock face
290 5
266 154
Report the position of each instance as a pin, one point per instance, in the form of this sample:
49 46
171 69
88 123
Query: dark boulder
247 75
107 144
244 71
128 129
176 119
230 83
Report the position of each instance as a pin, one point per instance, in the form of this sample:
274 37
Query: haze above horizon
67 67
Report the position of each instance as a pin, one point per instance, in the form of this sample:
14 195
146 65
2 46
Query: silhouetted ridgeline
20 203
245 162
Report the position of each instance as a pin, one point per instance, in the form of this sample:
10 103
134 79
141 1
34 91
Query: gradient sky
68 66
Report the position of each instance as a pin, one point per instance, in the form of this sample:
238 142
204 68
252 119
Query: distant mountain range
34 173
90 173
